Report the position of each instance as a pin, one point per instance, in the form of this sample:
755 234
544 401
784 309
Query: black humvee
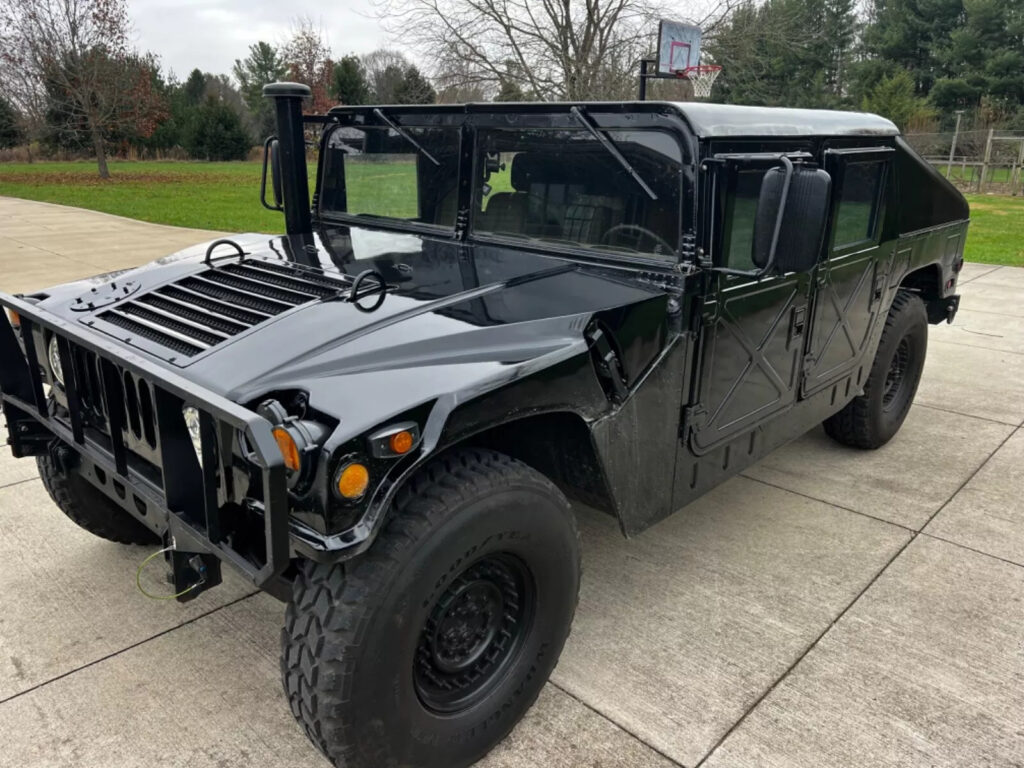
481 311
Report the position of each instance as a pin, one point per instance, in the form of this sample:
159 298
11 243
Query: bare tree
308 58
73 57
385 71
544 49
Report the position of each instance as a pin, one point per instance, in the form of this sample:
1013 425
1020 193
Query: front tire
426 650
89 508
872 419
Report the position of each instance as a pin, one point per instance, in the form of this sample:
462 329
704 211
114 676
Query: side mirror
272 157
789 225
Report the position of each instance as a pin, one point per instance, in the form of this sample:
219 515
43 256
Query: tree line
73 83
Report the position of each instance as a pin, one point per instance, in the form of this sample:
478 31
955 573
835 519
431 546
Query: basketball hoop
702 77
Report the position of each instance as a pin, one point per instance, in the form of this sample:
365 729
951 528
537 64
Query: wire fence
976 161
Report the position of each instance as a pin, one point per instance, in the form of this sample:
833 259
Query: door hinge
609 367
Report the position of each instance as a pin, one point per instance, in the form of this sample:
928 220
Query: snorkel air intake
289 165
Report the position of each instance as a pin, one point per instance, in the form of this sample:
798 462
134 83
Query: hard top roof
721 120
707 120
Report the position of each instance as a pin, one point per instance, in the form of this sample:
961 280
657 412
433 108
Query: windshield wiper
612 150
398 129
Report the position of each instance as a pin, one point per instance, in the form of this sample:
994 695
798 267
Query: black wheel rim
896 377
474 633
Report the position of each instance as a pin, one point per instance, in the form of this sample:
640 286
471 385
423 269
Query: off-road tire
352 650
89 508
873 418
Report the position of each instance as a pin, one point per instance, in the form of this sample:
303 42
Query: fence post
952 147
985 162
1015 183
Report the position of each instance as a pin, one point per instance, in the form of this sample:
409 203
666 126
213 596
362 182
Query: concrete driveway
828 608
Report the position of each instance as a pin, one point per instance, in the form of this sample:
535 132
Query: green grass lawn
996 234
223 196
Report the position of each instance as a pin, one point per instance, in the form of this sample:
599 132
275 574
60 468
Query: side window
743 186
858 201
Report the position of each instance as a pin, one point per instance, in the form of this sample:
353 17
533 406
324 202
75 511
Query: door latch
797 323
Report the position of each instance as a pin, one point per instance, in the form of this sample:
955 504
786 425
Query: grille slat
210 302
199 321
252 285
186 331
207 318
323 287
164 339
206 309
242 297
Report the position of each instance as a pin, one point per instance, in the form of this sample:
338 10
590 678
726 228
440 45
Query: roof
707 120
726 120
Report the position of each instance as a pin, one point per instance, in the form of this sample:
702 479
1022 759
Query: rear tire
872 419
89 508
427 649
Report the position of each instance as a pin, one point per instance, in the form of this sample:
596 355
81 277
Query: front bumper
196 507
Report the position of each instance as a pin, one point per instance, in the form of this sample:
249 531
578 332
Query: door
850 281
752 331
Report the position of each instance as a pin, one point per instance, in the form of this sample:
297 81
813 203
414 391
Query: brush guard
186 502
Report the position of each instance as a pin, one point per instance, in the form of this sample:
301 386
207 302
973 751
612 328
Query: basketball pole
645 75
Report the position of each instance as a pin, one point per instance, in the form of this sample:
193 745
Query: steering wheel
638 233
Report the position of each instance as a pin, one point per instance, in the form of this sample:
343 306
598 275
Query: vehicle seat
505 212
586 222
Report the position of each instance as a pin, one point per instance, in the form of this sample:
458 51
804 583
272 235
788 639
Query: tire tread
89 509
332 605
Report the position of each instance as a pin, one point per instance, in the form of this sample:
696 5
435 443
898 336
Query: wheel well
926 281
559 446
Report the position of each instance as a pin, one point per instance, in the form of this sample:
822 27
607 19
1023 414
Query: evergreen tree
194 89
349 84
215 132
11 134
895 99
786 53
985 59
414 88
263 65
913 35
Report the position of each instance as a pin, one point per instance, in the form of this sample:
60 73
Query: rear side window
743 188
859 195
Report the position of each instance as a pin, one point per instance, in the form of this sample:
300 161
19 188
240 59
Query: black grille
203 310
135 397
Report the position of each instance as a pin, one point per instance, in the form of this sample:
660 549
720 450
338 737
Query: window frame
837 163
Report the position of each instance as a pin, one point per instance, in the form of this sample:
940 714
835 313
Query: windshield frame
556 116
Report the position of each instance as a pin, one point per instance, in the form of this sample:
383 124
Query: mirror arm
779 217
263 177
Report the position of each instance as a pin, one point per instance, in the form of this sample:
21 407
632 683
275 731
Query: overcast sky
211 34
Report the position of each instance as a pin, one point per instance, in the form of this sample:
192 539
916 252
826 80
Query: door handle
797 323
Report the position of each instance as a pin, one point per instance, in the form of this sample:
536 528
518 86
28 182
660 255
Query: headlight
53 353
192 423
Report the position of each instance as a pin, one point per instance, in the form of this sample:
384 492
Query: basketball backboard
678 47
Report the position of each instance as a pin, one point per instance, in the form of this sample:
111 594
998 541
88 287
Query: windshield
565 186
379 172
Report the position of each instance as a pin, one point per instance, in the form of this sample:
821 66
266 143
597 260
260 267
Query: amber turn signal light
14 317
353 481
402 442
289 449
